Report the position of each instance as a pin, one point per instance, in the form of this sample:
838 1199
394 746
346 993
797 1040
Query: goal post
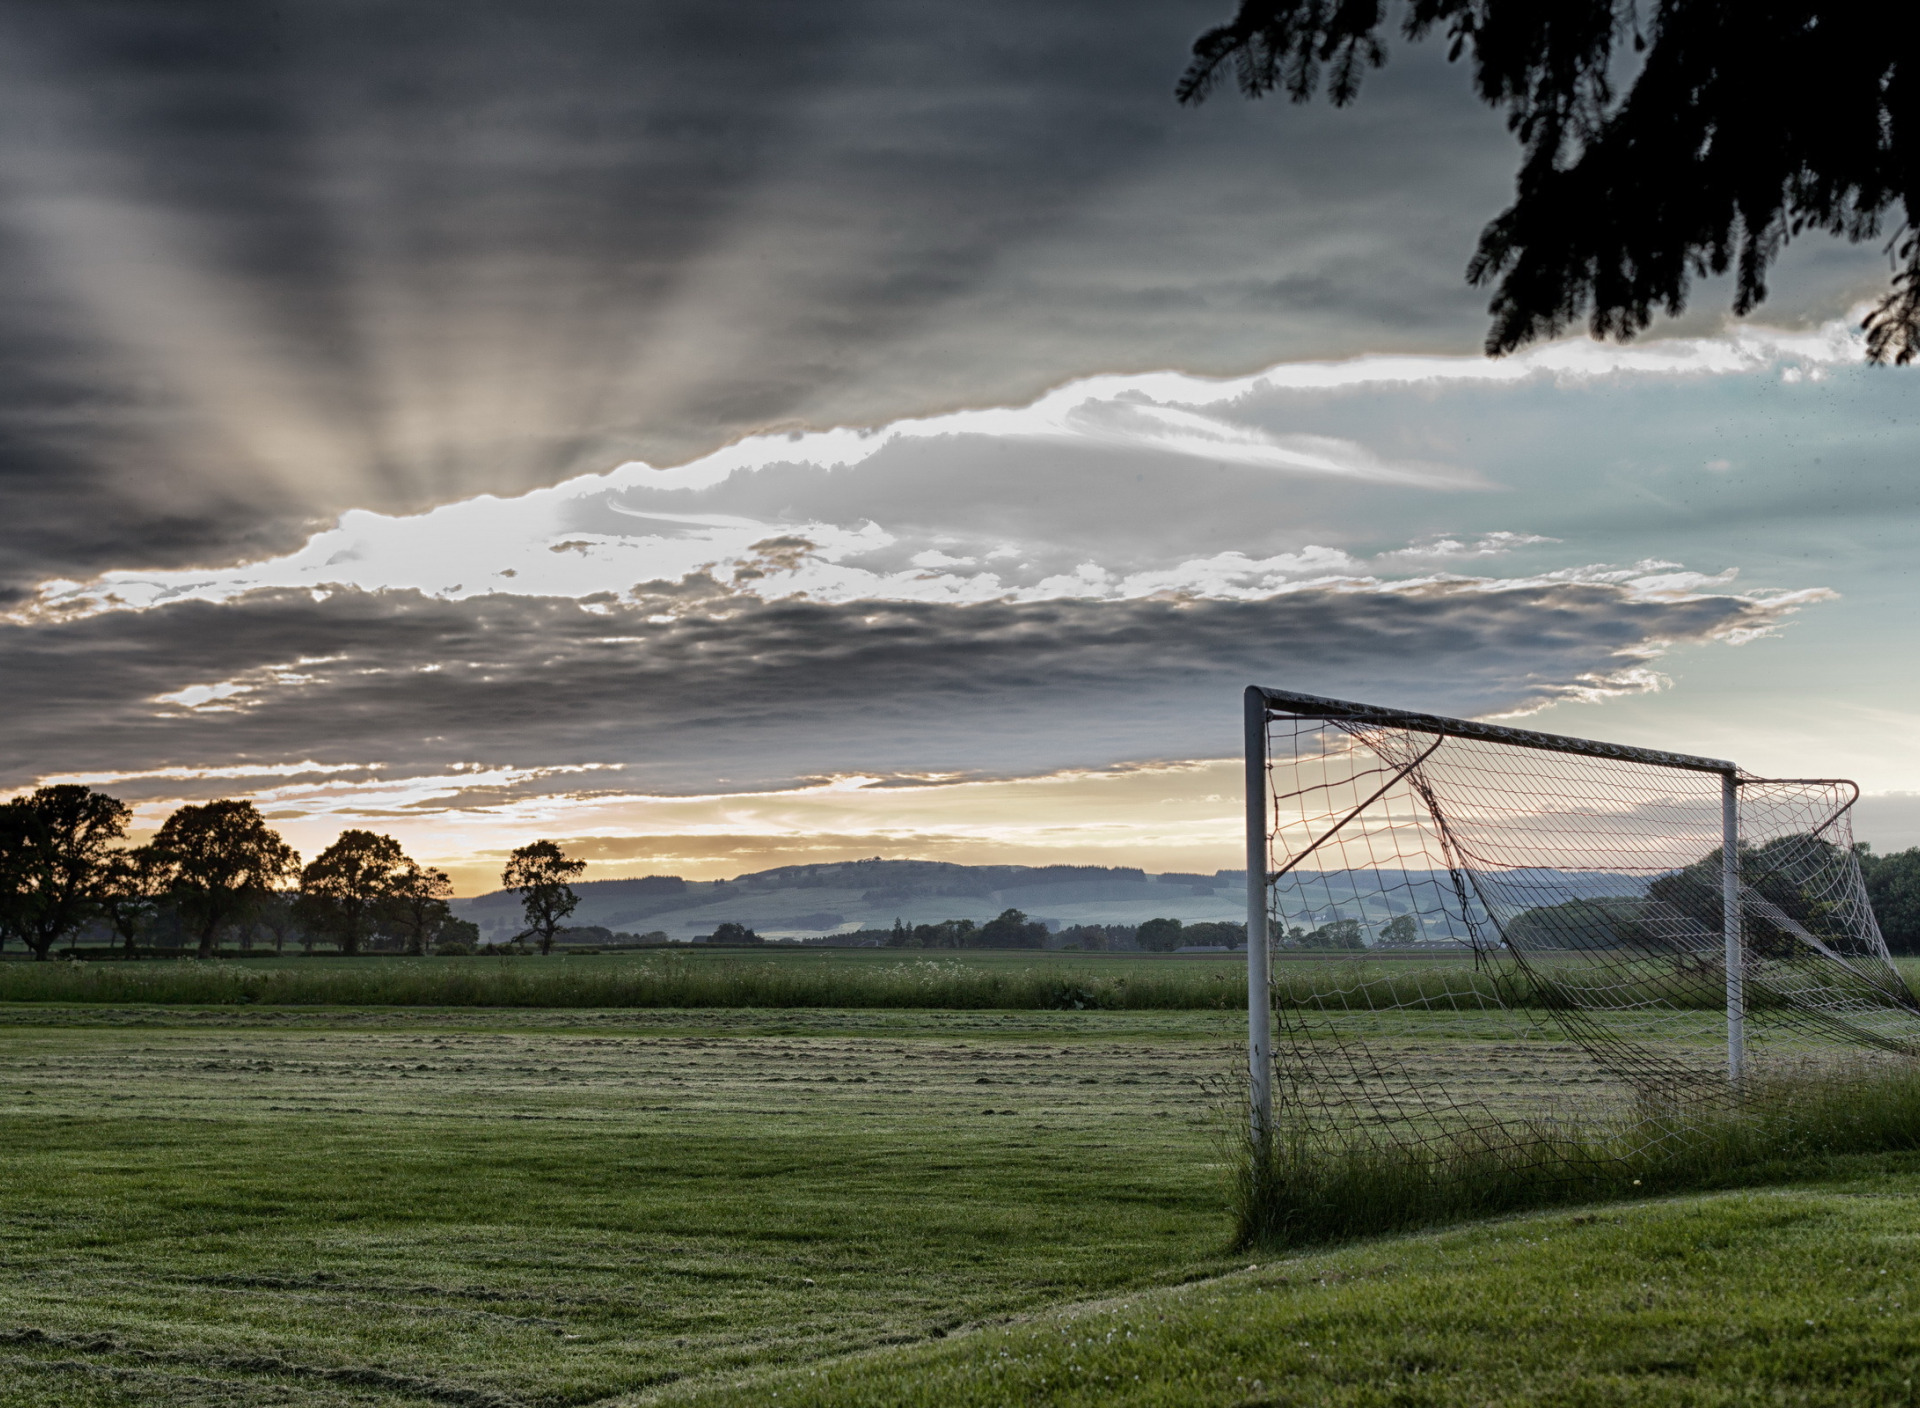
1595 889
1259 957
1736 961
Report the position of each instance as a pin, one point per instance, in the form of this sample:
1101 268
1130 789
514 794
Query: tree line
1801 879
1893 884
214 868
1012 929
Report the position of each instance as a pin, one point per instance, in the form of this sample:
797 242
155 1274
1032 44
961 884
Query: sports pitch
481 1207
241 1204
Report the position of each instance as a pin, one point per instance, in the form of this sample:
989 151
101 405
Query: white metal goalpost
1581 878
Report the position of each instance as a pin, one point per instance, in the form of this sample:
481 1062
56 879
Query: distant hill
799 901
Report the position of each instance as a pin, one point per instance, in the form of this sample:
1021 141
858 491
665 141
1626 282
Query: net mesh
1476 938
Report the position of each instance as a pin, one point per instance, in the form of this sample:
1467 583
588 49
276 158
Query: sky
718 439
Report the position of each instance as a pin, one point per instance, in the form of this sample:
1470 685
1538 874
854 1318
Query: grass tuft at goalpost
1676 978
1295 1190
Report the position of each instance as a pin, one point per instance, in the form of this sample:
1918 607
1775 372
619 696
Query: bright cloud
535 544
1184 814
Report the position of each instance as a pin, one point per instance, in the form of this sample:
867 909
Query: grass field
225 1203
1800 1295
433 1207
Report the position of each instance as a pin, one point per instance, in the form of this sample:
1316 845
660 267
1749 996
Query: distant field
792 901
949 980
672 978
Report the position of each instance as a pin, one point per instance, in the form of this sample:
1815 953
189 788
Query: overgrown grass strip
669 979
1303 1189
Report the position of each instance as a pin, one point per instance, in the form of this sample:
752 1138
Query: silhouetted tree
54 848
1210 932
456 936
948 933
218 856
1795 874
540 873
277 912
1399 931
1088 937
418 904
1334 934
1744 126
16 871
1012 929
349 884
133 882
1587 922
1160 935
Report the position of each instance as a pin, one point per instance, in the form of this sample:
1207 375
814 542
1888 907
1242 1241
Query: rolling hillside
806 900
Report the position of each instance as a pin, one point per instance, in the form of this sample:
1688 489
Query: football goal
1462 930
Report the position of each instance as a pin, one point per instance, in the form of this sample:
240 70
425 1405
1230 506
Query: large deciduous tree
1159 935
220 856
1736 128
133 882
540 873
350 884
278 913
1012 929
54 849
418 904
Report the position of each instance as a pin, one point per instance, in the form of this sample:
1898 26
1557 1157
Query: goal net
1474 930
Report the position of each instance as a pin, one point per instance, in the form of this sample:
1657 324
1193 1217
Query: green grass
1300 1190
492 1207
241 1204
1803 1296
659 979
971 980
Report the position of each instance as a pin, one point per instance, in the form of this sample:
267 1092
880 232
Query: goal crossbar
1607 893
1262 704
1314 706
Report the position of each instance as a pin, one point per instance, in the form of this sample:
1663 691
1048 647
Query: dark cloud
734 690
259 264
263 264
749 848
